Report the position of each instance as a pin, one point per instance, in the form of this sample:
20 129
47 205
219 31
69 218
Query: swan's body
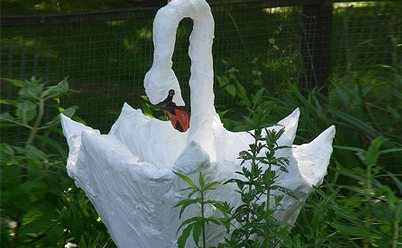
128 174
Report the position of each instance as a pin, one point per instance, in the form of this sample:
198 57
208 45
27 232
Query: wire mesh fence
106 55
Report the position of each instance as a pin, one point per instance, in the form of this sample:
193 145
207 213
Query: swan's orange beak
180 120
178 114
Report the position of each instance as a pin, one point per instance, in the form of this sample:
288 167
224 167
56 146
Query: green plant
153 111
197 224
255 216
257 102
315 226
30 167
82 224
370 213
40 205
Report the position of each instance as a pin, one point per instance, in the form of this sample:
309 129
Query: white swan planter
128 174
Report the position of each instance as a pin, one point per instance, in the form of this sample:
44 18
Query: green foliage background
359 204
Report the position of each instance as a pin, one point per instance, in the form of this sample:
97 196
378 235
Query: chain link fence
105 54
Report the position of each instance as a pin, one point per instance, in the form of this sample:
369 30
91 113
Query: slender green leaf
284 190
9 102
15 82
54 122
197 228
54 144
201 180
354 149
6 117
222 80
210 186
56 91
188 180
184 236
258 96
188 221
231 89
243 95
185 203
392 150
356 123
69 112
372 154
396 180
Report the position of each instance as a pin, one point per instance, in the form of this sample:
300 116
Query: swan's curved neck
200 51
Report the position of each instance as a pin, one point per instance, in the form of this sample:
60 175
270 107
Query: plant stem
24 171
368 199
253 165
204 243
65 237
16 237
267 239
35 128
396 234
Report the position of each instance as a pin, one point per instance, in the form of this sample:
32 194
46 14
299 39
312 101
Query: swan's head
163 90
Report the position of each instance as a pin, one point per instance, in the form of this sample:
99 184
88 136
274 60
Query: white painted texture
128 173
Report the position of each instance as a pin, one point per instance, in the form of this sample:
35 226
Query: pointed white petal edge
313 158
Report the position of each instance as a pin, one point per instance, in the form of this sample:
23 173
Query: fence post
316 46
